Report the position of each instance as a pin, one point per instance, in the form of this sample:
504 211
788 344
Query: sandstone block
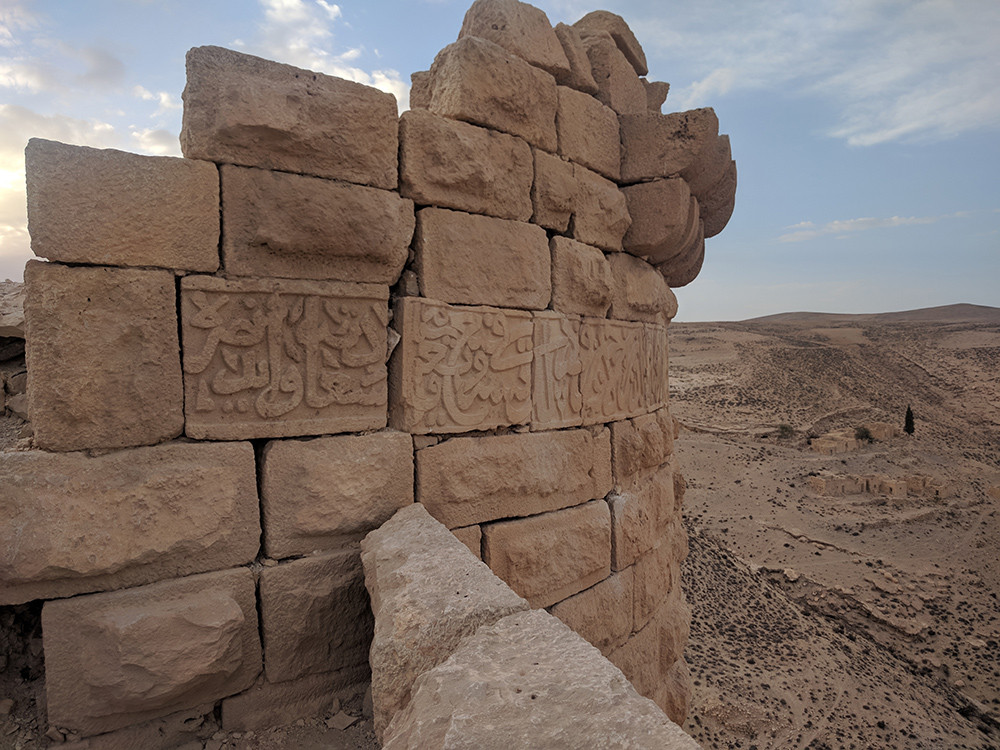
244 110
315 616
553 194
656 361
600 214
427 593
463 481
12 309
639 517
658 577
528 660
655 145
107 207
521 29
639 291
549 557
685 267
618 85
588 132
469 259
103 356
579 76
192 725
123 657
674 693
452 164
581 278
556 400
420 89
644 442
674 621
718 203
291 226
478 81
602 614
711 165
614 365
318 494
656 94
665 218
602 20
458 369
76 523
639 659
282 357
471 537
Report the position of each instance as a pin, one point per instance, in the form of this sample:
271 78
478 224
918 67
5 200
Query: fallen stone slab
519 28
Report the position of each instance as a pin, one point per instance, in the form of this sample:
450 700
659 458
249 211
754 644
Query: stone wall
242 361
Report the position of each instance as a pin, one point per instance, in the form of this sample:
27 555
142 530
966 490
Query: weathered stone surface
602 20
655 145
244 110
685 267
656 359
658 576
528 660
553 194
588 132
420 89
710 167
581 278
579 77
192 725
318 494
639 291
674 621
640 515
639 659
469 259
103 356
618 85
458 369
76 523
427 593
453 164
717 206
674 692
665 219
123 657
549 557
241 381
12 309
600 214
519 28
656 94
478 81
88 205
471 537
291 226
555 397
463 481
602 614
640 443
315 616
614 367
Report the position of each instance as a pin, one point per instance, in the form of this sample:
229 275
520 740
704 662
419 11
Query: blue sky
865 131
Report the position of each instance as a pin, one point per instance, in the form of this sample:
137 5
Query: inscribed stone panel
555 399
612 376
656 394
278 358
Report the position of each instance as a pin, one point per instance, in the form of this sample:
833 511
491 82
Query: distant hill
961 313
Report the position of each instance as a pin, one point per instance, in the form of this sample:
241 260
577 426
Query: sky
866 132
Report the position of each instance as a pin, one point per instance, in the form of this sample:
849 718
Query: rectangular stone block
103 357
612 378
291 226
581 278
640 516
458 369
603 613
107 207
282 357
655 145
640 443
240 109
553 195
452 164
639 659
315 616
124 657
550 557
322 493
468 259
639 292
75 523
463 481
588 132
618 84
471 537
656 358
555 399
600 213
658 577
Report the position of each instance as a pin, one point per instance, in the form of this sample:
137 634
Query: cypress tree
908 421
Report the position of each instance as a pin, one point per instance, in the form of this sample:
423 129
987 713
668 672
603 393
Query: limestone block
314 615
427 593
581 278
600 214
555 397
685 267
291 226
76 523
107 207
656 94
463 481
244 110
553 194
469 259
588 132
639 659
639 291
521 29
655 145
718 203
674 692
580 76
656 359
192 725
618 85
458 369
478 81
614 365
665 219
282 357
658 576
640 443
471 537
710 166
420 89
549 557
640 516
602 20
602 614
123 657
528 660
103 356
452 164
12 309
674 621
318 494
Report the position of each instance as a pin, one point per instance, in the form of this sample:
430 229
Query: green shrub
863 434
785 431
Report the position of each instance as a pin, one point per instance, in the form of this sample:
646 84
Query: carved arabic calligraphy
556 399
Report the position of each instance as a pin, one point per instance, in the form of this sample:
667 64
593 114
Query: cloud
158 141
807 230
165 100
13 17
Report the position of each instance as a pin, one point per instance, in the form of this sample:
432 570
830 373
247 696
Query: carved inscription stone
655 359
458 369
556 401
281 357
613 374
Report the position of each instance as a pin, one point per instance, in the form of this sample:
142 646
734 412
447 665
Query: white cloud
165 100
807 230
156 141
13 16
